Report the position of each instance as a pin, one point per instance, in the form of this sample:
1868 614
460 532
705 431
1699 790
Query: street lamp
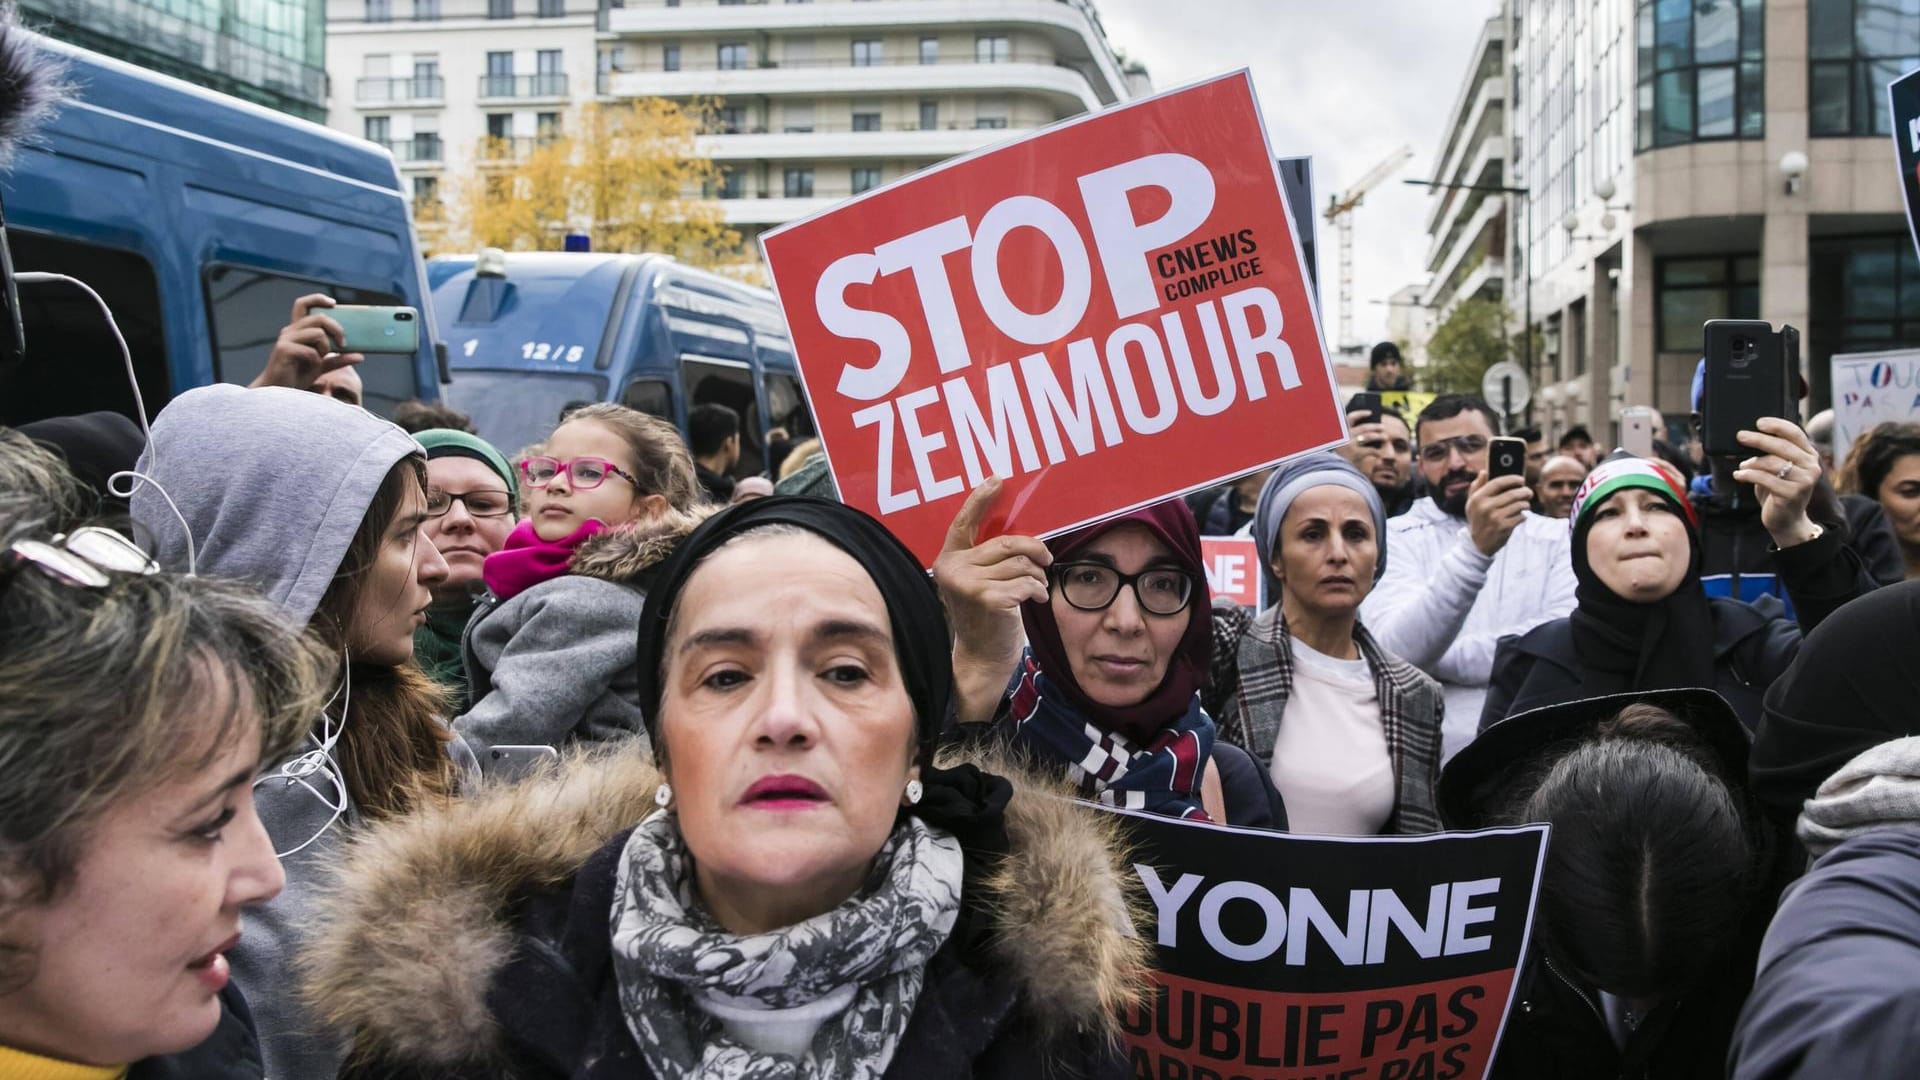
1526 203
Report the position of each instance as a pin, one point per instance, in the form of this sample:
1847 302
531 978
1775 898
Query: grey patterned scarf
667 952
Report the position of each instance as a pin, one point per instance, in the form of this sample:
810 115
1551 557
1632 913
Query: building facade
1467 224
271 52
1696 159
810 102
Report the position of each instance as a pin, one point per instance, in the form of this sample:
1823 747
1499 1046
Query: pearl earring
663 796
914 791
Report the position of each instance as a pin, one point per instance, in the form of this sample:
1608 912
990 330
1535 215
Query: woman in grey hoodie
319 505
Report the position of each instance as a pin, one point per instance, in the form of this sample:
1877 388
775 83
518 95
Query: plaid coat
1252 677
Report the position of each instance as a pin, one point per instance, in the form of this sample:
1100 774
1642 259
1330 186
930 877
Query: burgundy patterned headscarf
1172 523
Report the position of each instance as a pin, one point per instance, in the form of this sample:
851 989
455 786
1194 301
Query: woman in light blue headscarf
1349 732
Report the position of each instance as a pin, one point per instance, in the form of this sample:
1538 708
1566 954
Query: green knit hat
1624 471
447 442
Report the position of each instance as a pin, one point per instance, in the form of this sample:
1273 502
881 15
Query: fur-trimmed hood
625 554
419 920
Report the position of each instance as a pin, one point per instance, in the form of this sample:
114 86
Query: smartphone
1751 371
514 762
1636 430
1506 456
1366 401
375 329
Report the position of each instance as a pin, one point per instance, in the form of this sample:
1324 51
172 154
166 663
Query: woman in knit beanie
472 496
1643 620
1349 732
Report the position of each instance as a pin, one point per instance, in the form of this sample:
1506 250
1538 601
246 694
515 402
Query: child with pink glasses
550 652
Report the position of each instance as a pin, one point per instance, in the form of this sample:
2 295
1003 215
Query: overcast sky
1345 81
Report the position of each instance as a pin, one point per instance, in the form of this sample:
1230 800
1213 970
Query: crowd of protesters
428 759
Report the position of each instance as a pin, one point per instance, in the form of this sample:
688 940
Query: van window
729 383
650 396
247 308
72 364
517 409
788 407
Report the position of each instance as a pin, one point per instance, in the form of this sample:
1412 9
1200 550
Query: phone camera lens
403 316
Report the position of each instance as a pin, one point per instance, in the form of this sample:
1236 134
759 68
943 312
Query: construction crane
1340 208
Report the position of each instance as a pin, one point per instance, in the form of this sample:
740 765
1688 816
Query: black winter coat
232 1052
1752 642
473 941
1736 558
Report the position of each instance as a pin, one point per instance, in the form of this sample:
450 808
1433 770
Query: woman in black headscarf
1854 685
797 890
1643 619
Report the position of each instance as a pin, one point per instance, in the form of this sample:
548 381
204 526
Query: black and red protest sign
1285 957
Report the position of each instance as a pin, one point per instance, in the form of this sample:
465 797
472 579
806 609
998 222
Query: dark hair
416 416
1448 406
709 427
1382 353
1576 433
393 747
1528 434
1652 862
1876 455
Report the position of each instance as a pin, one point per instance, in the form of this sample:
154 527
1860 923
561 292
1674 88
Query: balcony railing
815 63
420 148
495 149
523 86
721 128
400 91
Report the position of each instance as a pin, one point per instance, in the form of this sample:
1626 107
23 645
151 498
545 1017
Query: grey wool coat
554 665
1252 678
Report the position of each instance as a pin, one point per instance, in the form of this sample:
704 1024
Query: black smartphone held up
1506 456
1751 370
1366 401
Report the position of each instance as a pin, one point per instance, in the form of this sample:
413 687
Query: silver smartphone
1636 430
514 762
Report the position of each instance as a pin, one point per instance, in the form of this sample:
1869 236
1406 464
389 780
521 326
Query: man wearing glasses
471 496
1471 564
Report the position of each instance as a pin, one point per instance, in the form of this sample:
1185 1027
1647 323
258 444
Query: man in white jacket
1471 564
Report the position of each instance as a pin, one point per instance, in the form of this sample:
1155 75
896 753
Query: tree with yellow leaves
625 174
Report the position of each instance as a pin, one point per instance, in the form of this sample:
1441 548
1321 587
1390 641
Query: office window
1691 290
426 78
425 146
929 114
1701 71
732 56
670 57
379 129
865 178
866 53
498 82
379 10
992 49
552 9
1865 296
1855 48
499 9
866 119
550 78
499 125
929 50
799 183
426 10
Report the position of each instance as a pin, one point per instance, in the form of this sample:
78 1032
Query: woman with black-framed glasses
549 652
1106 686
471 499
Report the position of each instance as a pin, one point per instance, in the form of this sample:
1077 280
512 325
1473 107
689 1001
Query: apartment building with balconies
808 103
817 101
439 82
1467 223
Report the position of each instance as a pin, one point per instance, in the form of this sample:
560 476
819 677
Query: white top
1443 607
775 1031
1330 759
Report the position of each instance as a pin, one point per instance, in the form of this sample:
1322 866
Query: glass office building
272 52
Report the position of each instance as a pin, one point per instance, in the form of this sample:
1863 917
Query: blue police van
199 218
530 335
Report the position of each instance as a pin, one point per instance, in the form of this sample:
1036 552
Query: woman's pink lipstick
785 792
